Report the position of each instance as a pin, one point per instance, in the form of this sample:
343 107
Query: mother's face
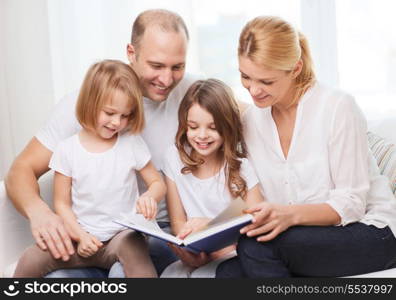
267 87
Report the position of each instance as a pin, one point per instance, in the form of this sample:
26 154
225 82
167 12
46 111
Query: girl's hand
269 220
190 259
88 245
192 225
222 252
147 206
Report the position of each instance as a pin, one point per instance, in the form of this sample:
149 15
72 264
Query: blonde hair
274 43
216 98
164 19
102 80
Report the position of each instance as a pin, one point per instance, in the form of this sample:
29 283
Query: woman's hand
147 206
269 220
88 245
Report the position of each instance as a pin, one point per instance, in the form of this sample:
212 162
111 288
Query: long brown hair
274 43
216 98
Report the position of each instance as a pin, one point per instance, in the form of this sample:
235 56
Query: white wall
46 48
26 89
6 148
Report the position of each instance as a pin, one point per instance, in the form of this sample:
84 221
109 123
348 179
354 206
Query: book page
140 223
235 209
139 219
232 211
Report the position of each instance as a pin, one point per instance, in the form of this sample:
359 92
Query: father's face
159 62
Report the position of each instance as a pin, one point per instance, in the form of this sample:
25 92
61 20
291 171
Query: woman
328 211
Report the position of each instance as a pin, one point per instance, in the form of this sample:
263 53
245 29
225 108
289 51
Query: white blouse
328 160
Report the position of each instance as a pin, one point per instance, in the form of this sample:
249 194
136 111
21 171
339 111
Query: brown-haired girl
208 167
95 178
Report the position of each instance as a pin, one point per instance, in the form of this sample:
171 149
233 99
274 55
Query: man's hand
50 234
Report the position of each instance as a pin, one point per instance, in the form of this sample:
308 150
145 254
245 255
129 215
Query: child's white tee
203 197
103 184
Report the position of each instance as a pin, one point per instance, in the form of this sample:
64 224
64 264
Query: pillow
385 154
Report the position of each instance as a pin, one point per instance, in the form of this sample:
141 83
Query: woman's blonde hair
102 80
274 43
216 98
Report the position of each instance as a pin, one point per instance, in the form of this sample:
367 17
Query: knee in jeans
250 247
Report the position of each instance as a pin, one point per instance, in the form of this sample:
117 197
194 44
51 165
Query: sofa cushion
385 154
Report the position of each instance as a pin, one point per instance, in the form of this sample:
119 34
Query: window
367 54
216 27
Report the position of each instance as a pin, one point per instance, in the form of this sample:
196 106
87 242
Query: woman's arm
156 190
348 160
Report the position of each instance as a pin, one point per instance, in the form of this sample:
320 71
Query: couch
15 230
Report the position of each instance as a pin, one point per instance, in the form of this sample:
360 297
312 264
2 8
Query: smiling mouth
202 145
261 99
160 88
110 129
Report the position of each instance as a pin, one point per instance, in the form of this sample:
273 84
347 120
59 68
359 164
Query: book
220 232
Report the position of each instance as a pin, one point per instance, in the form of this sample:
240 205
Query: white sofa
15 230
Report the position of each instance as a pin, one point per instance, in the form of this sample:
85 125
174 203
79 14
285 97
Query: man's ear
297 68
131 53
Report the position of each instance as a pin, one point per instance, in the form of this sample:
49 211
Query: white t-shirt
159 133
203 197
103 184
328 161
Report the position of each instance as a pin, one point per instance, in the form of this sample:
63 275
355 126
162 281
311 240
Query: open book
222 231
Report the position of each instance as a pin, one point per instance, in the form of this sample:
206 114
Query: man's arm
22 187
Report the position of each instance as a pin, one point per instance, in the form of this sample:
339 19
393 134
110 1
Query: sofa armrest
15 233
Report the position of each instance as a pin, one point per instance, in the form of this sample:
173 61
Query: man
157 53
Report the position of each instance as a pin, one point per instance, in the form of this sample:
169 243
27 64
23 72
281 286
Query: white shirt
159 132
203 197
328 161
103 184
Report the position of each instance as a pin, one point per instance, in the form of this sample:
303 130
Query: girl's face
114 116
201 132
267 87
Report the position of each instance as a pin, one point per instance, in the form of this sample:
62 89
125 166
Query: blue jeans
160 254
314 251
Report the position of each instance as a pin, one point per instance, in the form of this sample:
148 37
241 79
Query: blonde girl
95 178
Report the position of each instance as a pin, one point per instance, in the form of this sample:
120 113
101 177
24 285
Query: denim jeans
160 253
314 251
